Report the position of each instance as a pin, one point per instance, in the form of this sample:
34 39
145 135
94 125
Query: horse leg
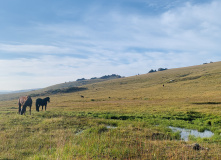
42 107
30 109
19 108
45 107
37 107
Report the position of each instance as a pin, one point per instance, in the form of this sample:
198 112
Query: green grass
138 109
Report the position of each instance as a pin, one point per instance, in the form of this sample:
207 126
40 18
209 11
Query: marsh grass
53 136
139 108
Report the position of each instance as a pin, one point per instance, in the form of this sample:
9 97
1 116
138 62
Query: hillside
189 82
126 118
81 82
66 87
196 81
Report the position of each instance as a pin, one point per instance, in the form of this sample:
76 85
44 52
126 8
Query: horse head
23 110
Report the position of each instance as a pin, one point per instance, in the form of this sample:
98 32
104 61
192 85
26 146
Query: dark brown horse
23 102
42 102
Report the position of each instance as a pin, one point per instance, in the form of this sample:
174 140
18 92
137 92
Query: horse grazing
42 102
23 102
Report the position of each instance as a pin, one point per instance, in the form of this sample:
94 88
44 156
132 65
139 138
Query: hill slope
189 82
127 118
66 87
196 81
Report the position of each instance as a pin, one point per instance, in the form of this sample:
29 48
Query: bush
151 71
162 69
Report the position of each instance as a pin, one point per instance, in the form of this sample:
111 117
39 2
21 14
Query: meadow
125 118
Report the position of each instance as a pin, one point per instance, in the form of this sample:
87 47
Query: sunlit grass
139 110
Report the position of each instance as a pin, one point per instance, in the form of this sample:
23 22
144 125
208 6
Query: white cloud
49 70
188 28
28 48
194 27
125 44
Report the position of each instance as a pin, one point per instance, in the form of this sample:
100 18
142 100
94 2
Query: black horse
42 102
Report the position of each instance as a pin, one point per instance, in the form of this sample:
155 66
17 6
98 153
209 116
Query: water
110 127
184 133
79 132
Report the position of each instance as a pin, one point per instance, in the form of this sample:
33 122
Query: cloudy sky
46 42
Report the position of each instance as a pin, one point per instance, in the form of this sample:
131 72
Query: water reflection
184 133
110 127
79 132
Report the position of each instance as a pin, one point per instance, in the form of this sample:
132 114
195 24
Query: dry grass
139 107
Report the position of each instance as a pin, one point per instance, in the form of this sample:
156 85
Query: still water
184 133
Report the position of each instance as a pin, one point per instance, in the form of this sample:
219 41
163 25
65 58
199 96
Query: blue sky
47 42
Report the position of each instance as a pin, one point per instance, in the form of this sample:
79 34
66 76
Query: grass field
125 118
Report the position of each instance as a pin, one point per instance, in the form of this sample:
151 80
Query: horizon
44 43
29 89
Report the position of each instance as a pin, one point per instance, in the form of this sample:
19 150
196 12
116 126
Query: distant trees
113 76
162 69
207 63
82 79
159 69
110 76
151 71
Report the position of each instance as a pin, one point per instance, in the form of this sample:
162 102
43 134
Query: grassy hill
126 118
66 87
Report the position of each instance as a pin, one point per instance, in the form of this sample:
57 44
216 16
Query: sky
47 42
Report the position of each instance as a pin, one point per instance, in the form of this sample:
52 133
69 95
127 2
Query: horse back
39 100
25 100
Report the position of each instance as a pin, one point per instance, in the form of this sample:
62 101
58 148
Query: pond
110 127
184 133
79 132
